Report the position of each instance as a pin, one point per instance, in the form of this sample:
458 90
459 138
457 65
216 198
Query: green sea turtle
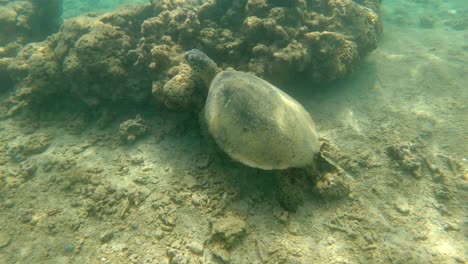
257 124
253 121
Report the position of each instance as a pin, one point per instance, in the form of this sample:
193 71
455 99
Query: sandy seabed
72 192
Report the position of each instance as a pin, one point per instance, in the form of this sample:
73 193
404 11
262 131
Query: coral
181 91
162 58
221 42
175 86
102 50
277 40
132 129
27 21
349 31
180 25
117 57
37 74
407 157
8 24
334 55
22 22
90 58
359 23
331 180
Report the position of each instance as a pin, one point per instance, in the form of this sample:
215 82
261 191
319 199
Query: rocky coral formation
331 180
332 185
181 91
406 156
118 57
132 129
322 39
22 22
91 58
27 21
328 179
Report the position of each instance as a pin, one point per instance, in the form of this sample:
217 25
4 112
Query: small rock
5 239
106 237
134 258
196 247
202 161
159 233
408 158
451 227
180 258
132 129
190 181
296 252
293 228
421 237
167 219
176 244
221 255
68 249
196 200
228 229
402 207
118 247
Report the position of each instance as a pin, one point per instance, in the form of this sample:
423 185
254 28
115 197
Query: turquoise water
107 154
75 8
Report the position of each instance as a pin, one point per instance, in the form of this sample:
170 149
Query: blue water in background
399 12
72 8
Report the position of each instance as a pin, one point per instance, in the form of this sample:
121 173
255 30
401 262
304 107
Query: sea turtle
253 121
259 125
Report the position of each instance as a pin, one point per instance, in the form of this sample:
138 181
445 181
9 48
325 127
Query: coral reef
91 58
117 57
22 22
27 21
279 40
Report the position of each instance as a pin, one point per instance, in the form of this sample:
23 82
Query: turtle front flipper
290 188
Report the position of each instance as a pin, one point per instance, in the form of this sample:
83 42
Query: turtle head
202 65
